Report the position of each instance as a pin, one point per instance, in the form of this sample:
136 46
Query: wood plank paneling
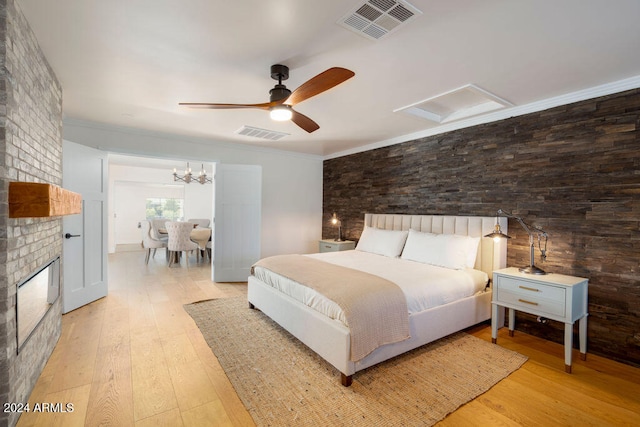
573 170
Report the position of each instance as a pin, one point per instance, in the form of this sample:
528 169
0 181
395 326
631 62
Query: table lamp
336 222
532 231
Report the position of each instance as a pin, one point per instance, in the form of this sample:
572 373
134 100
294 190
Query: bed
324 330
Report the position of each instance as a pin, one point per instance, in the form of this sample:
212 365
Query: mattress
424 286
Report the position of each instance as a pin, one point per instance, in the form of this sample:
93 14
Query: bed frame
331 340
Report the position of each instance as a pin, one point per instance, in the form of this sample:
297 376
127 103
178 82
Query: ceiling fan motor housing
279 92
279 72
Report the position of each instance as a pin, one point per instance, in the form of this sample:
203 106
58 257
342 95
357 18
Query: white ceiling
129 63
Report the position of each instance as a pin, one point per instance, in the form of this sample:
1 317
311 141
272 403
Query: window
171 209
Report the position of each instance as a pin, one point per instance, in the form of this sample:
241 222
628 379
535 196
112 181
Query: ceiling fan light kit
282 100
281 113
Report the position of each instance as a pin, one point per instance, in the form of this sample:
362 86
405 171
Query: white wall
198 200
291 183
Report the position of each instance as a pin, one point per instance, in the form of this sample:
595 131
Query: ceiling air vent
254 132
377 18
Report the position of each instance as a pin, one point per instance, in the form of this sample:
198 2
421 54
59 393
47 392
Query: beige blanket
375 308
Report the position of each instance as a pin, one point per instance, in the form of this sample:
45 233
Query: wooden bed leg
346 379
251 306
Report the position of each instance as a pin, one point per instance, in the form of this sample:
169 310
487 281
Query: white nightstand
552 296
330 245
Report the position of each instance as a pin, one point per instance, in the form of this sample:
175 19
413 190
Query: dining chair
179 240
148 241
200 236
201 223
208 250
156 225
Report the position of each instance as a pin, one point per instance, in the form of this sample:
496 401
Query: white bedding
425 286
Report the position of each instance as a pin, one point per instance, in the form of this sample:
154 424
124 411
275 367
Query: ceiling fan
282 100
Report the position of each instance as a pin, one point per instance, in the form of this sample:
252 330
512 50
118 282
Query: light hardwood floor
135 358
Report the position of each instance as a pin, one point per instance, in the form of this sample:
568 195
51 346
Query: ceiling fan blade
263 106
303 121
320 83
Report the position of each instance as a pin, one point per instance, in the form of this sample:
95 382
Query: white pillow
464 249
473 244
382 242
422 247
443 250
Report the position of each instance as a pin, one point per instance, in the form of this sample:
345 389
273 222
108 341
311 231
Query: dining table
199 235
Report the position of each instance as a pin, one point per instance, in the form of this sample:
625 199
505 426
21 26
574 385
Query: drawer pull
526 288
527 302
327 246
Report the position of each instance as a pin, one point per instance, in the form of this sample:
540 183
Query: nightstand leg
494 323
568 346
512 321
582 326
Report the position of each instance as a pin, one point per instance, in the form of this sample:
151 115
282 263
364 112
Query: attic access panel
464 102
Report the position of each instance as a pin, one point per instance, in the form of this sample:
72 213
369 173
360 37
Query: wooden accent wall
573 170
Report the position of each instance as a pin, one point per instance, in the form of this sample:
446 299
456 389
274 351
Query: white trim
581 95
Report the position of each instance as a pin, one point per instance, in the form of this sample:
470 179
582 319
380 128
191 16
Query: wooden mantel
36 200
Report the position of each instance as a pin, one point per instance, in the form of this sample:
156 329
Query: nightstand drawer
329 247
532 289
326 245
531 304
531 296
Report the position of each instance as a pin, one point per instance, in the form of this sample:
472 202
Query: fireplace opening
36 294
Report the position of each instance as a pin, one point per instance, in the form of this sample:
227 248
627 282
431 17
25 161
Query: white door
84 171
236 221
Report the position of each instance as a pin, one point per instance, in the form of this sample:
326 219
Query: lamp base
532 269
338 240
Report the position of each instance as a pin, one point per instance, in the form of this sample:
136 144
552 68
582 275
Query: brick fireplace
30 151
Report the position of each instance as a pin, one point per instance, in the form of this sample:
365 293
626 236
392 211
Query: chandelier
188 176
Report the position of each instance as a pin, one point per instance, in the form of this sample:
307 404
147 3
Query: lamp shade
334 219
497 233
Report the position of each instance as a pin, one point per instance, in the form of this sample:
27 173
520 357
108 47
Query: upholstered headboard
491 255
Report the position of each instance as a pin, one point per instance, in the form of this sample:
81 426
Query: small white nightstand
330 245
552 296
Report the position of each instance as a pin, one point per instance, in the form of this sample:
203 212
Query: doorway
138 185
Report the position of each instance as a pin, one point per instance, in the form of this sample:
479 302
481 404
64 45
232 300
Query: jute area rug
281 382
